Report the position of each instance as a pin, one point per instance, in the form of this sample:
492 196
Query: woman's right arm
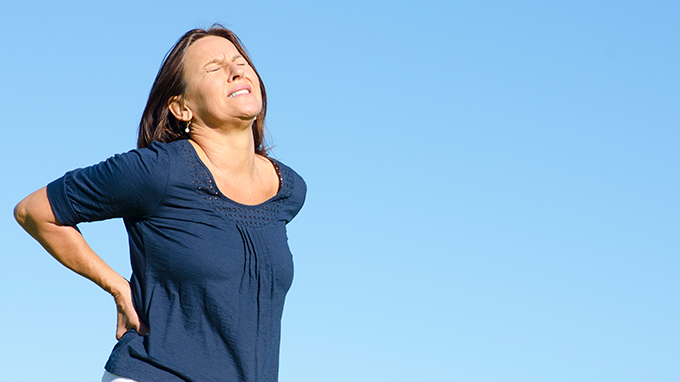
67 245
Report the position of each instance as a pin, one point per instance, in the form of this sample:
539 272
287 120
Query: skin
221 125
222 136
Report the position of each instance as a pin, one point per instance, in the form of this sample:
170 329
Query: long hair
158 123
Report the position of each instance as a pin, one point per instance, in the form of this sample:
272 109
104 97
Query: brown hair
158 123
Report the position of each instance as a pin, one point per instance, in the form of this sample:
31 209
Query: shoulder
161 149
292 175
155 157
294 189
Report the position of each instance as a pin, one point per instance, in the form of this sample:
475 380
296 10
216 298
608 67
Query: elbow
33 210
22 212
34 214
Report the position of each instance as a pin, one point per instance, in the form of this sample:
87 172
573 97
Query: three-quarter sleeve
293 194
126 185
297 199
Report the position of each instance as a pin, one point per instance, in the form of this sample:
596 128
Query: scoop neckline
211 178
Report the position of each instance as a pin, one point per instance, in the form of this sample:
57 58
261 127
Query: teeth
244 91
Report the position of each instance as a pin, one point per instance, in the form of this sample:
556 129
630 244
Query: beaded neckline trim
242 214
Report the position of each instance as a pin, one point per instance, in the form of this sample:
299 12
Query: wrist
118 286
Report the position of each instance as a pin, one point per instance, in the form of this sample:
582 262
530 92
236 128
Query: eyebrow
220 59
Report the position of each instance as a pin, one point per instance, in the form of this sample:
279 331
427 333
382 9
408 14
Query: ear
179 109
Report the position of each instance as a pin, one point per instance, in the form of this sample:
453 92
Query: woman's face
221 86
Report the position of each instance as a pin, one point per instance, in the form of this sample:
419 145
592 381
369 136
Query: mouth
239 92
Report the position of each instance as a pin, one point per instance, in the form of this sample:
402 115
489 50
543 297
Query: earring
187 130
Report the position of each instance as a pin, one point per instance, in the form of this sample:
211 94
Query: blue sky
493 186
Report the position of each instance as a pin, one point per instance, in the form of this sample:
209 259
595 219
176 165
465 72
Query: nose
236 71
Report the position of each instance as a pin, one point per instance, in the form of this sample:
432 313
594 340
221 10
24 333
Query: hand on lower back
127 315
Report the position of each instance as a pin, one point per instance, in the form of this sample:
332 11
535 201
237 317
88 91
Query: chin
252 113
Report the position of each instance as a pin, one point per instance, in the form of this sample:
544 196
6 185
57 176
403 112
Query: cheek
256 83
258 91
203 97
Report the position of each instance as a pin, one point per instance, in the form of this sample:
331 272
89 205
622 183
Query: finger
120 326
143 329
119 332
133 321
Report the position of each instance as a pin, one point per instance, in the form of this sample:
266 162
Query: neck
232 150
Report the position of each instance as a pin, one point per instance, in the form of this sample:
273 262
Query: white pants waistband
108 377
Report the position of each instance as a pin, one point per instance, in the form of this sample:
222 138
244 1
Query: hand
127 315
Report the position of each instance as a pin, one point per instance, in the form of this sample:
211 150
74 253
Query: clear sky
493 186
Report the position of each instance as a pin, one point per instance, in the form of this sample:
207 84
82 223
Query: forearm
65 243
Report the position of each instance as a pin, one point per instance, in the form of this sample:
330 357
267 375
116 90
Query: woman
206 213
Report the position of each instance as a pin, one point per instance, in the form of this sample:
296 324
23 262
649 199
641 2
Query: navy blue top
209 275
